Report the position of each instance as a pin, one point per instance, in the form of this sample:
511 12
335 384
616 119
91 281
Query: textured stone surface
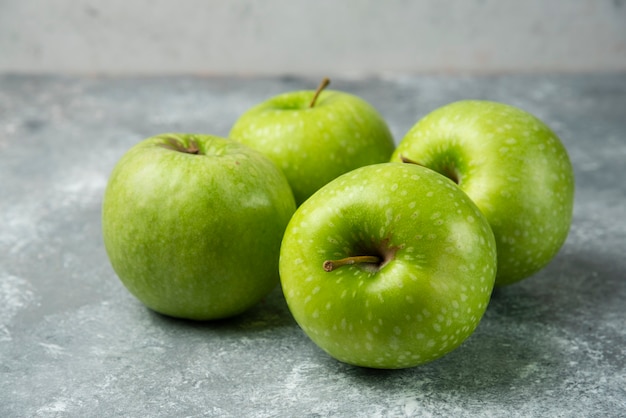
354 37
73 342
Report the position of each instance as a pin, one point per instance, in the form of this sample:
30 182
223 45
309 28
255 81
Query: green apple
388 266
315 136
512 166
192 224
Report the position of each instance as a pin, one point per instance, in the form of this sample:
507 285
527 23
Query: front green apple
513 167
314 137
192 224
388 266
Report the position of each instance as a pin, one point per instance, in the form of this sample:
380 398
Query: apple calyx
176 144
325 82
330 265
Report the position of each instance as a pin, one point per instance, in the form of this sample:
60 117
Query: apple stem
193 147
407 160
325 82
175 144
330 265
448 171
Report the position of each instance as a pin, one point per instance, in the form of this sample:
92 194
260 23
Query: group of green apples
387 256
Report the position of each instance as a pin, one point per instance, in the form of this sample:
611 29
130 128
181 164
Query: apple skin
512 166
196 236
314 145
427 296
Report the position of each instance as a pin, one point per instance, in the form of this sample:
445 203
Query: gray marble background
323 37
74 342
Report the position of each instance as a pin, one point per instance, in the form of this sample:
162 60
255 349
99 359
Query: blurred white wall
333 37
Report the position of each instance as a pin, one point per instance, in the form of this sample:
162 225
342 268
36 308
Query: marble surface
74 342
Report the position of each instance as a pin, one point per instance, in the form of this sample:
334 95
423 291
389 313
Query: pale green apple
192 224
512 165
315 136
388 266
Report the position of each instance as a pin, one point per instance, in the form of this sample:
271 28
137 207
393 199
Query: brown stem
330 265
193 148
175 144
325 82
449 170
407 160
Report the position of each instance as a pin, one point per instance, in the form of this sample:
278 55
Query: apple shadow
484 364
268 314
